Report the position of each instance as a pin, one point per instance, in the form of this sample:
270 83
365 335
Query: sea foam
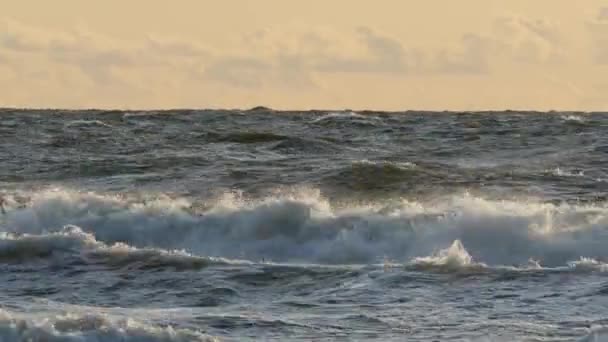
90 327
303 226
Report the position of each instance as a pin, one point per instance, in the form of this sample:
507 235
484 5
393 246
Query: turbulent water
263 225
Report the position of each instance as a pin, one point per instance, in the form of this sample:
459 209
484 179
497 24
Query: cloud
100 58
512 40
76 48
239 71
294 59
471 57
281 58
381 54
292 63
175 47
529 41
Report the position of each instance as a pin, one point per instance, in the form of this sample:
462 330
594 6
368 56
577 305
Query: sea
264 225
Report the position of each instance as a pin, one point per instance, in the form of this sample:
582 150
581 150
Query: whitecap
302 226
88 327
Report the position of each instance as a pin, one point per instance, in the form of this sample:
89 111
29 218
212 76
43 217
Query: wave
565 173
352 118
303 226
394 166
573 118
588 264
81 123
72 242
91 327
454 257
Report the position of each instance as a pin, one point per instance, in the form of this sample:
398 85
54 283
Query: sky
323 54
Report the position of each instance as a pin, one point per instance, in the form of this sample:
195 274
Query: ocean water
225 225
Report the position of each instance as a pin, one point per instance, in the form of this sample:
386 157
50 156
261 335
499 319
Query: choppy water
261 225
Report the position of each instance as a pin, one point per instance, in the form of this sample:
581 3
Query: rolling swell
369 176
303 226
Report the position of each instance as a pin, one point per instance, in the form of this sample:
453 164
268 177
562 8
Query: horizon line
270 109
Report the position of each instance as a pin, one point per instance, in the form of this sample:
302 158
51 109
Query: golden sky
288 54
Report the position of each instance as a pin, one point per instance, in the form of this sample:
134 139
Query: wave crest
303 226
453 257
347 119
588 264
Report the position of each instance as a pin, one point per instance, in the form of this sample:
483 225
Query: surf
304 226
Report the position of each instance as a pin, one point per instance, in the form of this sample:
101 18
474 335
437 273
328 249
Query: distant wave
337 118
80 123
303 226
566 173
89 327
574 118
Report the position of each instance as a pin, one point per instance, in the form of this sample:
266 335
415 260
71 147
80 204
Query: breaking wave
303 226
454 257
588 264
72 242
92 327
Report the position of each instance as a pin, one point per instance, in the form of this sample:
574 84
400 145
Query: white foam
92 327
87 123
588 264
346 116
455 256
399 165
574 118
302 226
565 173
